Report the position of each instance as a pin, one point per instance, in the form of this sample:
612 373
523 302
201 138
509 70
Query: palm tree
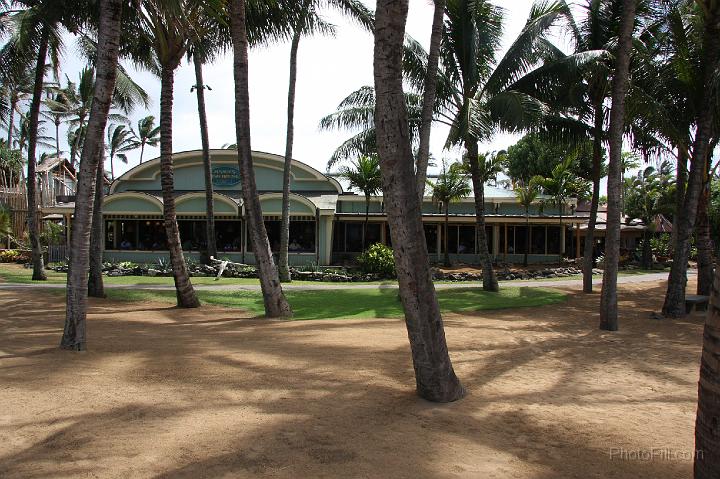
435 378
482 168
77 288
705 109
608 298
451 186
560 185
19 87
646 192
307 23
147 134
167 28
476 95
119 140
276 305
526 195
364 174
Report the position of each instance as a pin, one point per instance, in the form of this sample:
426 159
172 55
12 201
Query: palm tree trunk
562 243
680 187
77 279
588 254
429 93
367 219
434 375
608 298
112 168
96 286
283 260
276 306
674 306
707 440
704 241
490 282
57 140
142 150
186 297
646 260
446 207
211 250
11 120
527 237
33 226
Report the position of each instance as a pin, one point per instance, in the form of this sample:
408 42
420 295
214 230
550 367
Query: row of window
149 235
348 237
353 237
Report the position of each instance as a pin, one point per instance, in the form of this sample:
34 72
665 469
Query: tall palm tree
451 186
526 195
77 288
608 298
119 140
147 134
199 88
476 95
482 168
364 174
435 378
307 23
706 110
166 28
276 305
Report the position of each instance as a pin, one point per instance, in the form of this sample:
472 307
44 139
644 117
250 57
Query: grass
359 303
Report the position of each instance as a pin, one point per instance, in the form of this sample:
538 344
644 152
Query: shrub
378 259
14 256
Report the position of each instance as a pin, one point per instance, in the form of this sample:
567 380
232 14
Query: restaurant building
326 217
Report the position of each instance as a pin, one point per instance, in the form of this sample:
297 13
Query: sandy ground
209 393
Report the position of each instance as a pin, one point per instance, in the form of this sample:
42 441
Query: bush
378 259
14 256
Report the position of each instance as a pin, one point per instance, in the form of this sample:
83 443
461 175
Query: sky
328 70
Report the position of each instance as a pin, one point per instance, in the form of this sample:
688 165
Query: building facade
326 218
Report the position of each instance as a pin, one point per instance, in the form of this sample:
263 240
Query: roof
50 163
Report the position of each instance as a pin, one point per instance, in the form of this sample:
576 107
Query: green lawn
315 304
359 303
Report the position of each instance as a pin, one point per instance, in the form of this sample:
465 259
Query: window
302 236
228 235
553 240
152 235
373 234
193 235
537 240
452 239
353 237
431 238
466 239
521 239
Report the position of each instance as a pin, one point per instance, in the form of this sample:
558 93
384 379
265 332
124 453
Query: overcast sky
328 69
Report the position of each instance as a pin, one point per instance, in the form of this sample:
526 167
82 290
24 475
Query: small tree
147 134
526 195
451 186
561 185
364 174
648 194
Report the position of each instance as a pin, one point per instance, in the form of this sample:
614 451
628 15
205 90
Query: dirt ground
209 393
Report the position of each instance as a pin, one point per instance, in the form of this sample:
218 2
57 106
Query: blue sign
225 176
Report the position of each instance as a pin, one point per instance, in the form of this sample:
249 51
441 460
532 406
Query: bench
697 301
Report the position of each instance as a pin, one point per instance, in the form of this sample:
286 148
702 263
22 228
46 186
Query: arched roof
150 170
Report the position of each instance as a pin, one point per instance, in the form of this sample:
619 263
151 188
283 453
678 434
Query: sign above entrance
225 176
